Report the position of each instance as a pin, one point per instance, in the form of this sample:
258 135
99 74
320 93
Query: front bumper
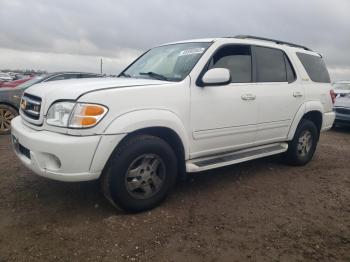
59 156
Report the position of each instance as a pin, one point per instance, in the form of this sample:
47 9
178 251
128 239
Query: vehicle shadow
84 199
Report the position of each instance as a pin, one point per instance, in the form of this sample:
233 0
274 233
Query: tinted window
237 59
89 75
63 77
270 65
71 76
315 67
290 71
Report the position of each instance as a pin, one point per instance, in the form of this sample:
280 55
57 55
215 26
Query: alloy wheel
5 120
145 176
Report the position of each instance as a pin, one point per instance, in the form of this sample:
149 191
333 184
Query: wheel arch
160 123
313 111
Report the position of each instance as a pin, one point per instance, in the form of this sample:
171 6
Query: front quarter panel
149 118
138 107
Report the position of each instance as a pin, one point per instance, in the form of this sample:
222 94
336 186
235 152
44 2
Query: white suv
181 107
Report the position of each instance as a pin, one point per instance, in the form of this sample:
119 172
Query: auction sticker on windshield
192 51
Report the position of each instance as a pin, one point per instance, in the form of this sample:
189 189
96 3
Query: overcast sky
60 35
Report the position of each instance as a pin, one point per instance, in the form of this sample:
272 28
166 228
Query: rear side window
237 59
271 65
315 67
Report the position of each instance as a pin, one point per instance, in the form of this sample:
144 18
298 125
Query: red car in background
14 83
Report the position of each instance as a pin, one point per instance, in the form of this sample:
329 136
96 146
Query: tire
7 113
303 146
139 173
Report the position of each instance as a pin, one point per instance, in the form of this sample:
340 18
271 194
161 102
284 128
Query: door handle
297 94
248 97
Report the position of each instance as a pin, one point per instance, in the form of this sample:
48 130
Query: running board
215 161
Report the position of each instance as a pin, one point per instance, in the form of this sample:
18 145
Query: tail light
333 95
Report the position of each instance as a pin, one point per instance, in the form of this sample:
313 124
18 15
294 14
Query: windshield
342 86
170 62
34 80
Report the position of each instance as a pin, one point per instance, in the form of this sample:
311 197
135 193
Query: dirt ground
257 211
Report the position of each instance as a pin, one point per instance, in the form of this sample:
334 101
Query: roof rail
279 42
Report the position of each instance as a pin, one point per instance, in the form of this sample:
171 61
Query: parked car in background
5 77
341 88
10 97
342 110
14 83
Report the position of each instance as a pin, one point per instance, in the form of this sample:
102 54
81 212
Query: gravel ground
257 211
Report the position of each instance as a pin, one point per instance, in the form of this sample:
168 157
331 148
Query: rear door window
271 66
315 67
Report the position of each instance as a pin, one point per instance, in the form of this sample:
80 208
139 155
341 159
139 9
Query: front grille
30 106
344 111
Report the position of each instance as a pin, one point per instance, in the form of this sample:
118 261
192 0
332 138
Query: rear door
278 92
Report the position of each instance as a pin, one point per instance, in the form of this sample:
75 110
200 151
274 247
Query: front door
224 117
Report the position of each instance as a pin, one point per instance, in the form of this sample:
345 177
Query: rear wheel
7 113
140 173
302 148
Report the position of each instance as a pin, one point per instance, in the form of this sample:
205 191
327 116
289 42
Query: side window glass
237 59
315 67
290 71
63 77
60 77
71 76
270 65
89 76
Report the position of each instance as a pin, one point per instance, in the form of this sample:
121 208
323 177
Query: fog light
49 161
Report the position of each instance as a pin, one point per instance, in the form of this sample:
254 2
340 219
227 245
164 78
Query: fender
304 108
127 123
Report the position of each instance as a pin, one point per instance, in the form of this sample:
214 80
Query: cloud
52 62
120 30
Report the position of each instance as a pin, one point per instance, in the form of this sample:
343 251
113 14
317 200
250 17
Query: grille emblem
30 106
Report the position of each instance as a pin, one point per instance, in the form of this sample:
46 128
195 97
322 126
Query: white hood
74 88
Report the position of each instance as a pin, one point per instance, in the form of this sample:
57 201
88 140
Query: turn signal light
87 115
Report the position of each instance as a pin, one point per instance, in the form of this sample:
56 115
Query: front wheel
303 146
140 173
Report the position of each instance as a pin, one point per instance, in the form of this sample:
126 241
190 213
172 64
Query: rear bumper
59 156
328 120
342 119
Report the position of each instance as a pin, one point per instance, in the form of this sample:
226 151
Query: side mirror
216 76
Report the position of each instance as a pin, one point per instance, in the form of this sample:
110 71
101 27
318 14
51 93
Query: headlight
75 115
59 114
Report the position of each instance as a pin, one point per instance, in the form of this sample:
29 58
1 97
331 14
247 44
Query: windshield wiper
124 74
154 75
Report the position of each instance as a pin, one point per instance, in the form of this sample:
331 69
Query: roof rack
279 42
